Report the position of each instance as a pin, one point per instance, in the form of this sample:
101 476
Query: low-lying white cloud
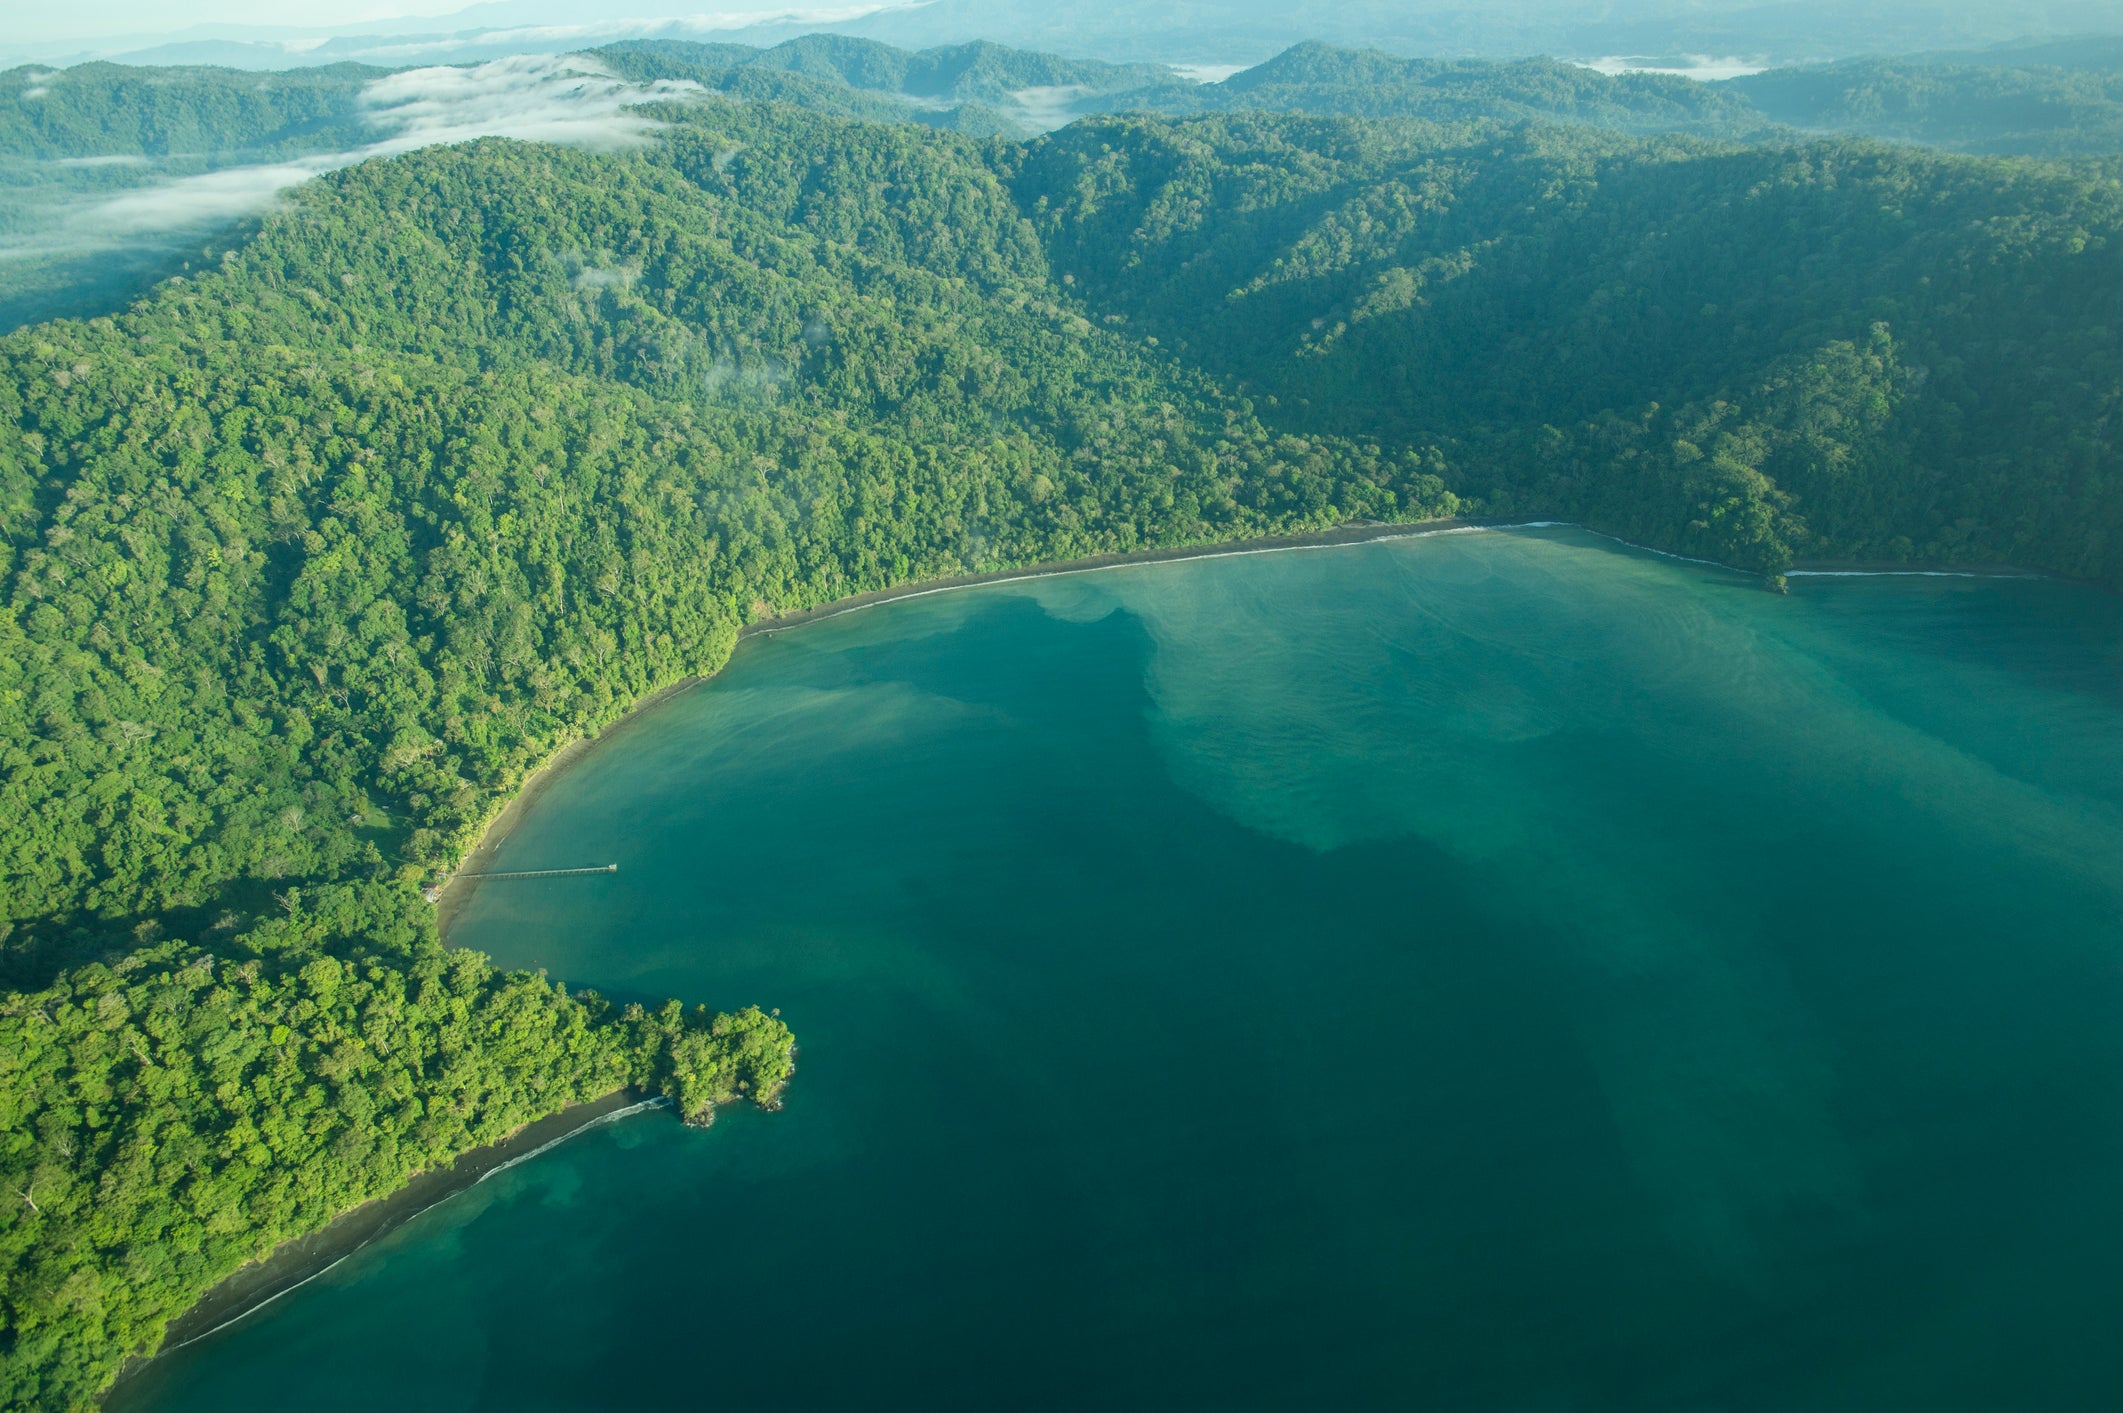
1208 73
537 98
567 100
1695 66
1045 107
191 202
597 277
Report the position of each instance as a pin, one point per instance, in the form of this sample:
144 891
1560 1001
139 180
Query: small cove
1495 970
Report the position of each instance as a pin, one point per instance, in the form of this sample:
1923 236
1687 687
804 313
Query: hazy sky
1186 30
97 17
88 19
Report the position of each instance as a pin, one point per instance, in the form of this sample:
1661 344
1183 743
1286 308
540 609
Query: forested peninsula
312 552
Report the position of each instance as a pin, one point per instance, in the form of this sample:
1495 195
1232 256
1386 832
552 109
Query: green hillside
1329 82
103 110
1836 350
1970 106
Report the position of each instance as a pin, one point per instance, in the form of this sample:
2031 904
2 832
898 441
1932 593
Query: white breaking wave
1662 554
1905 574
249 1310
548 1146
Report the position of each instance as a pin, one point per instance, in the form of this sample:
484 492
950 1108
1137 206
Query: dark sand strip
1362 532
301 1259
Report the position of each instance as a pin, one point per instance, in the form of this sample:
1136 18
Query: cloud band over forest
567 99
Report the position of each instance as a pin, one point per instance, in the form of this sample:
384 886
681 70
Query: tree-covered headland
309 555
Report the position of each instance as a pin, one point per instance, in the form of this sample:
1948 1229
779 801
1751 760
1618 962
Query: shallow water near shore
1498 970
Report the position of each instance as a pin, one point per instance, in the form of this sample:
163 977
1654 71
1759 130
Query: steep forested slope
72 138
1830 350
988 88
1991 103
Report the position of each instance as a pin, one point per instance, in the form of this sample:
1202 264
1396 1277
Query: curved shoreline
299 1260
457 890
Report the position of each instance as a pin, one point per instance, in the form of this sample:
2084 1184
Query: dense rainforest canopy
309 555
1835 350
2057 101
72 139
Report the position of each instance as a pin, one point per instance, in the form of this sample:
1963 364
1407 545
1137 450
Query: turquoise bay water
1488 971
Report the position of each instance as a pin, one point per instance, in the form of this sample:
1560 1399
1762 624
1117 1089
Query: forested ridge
1837 350
117 110
309 557
1986 103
